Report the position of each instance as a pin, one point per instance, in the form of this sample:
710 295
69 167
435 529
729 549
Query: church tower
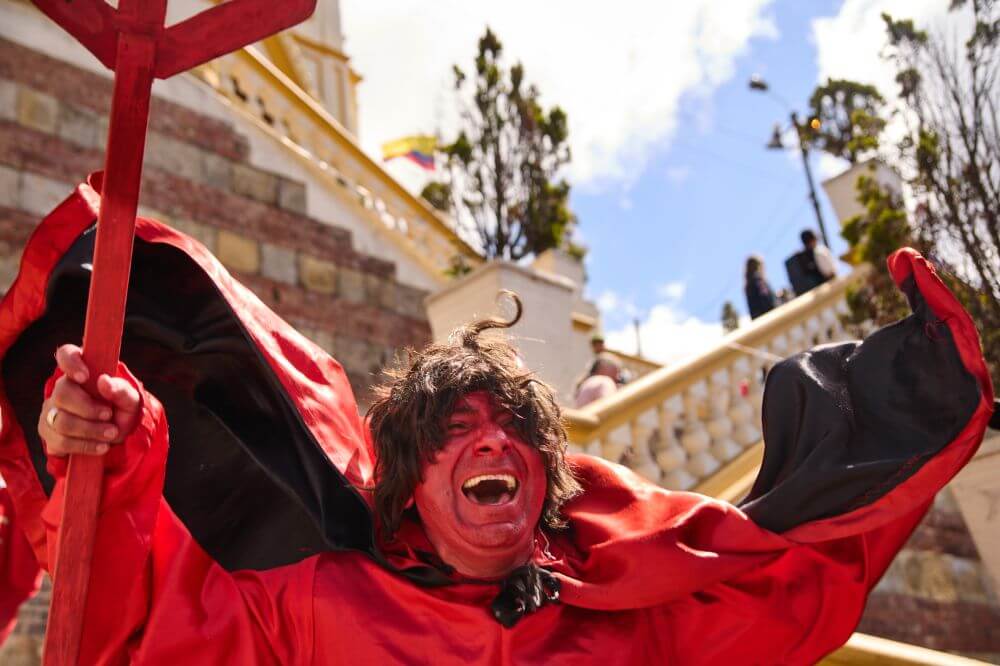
313 56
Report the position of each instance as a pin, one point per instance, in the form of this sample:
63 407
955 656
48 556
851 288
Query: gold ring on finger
50 417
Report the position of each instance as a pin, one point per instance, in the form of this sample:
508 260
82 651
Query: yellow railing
260 90
637 366
684 424
865 650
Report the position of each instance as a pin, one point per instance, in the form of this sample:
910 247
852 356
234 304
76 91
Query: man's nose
494 440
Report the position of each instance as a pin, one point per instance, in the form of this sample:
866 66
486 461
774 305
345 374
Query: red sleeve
154 593
19 572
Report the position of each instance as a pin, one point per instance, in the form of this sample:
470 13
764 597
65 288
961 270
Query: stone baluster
696 439
830 323
723 448
670 455
616 443
639 457
744 389
811 333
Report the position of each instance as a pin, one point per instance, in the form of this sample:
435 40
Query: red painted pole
102 336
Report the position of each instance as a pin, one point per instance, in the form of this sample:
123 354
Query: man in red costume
281 529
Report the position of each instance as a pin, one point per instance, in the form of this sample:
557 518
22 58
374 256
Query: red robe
647 575
19 572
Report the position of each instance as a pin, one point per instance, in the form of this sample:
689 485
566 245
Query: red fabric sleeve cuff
116 458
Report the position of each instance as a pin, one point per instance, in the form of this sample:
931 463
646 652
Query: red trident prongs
134 42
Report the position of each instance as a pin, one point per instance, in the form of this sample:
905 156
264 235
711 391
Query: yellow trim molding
583 323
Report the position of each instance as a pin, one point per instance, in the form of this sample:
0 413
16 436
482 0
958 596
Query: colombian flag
418 149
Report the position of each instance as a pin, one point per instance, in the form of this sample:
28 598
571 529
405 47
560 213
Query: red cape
647 575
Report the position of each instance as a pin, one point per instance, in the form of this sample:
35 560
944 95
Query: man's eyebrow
462 409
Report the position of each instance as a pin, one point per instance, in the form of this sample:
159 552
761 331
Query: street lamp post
804 149
758 84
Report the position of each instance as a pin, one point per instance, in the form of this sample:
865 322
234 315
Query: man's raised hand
72 421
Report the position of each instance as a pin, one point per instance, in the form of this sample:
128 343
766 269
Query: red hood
309 398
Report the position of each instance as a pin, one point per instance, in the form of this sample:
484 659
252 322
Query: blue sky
672 183
712 193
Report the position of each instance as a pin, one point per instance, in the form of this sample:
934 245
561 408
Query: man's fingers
72 426
70 397
69 358
119 393
59 445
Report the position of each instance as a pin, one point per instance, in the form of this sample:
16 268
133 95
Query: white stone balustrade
682 424
255 86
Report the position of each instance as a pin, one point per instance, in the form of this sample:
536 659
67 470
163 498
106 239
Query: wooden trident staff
133 42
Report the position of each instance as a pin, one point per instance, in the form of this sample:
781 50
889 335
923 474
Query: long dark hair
754 268
408 416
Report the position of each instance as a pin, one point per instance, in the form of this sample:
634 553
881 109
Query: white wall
545 336
843 194
324 25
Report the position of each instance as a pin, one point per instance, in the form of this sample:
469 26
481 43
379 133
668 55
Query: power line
751 169
716 301
780 202
776 238
752 139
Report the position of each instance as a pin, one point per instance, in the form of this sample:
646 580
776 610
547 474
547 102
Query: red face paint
481 498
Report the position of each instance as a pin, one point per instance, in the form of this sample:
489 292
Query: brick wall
937 592
53 125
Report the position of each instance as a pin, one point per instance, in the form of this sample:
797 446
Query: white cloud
831 165
668 334
614 307
849 45
677 175
673 291
619 70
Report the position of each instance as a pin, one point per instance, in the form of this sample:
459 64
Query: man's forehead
478 401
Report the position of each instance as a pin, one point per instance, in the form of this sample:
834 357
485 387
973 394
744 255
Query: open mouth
490 488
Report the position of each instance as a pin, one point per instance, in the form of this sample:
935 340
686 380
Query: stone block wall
53 125
937 593
197 178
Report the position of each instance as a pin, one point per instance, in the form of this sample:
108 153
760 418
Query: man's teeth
507 479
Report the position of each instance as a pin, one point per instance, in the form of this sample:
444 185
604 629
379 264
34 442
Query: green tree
850 118
949 159
730 317
873 236
501 174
